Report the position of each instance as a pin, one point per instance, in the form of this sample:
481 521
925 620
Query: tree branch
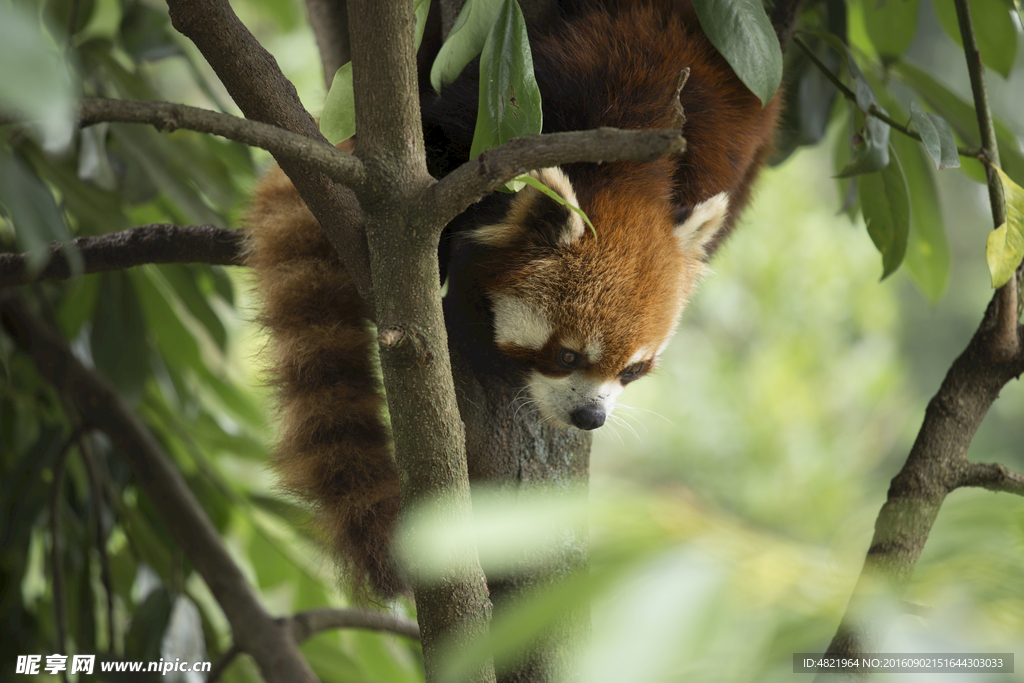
937 465
283 144
992 476
305 625
261 91
155 243
101 407
329 21
453 610
1008 339
495 167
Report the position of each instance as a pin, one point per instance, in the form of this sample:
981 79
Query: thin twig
874 109
155 243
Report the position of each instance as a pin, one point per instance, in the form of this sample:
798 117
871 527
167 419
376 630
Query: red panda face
588 316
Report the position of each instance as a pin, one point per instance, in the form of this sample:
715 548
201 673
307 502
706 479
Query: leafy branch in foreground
937 463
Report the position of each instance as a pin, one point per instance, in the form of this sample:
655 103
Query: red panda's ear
703 223
535 217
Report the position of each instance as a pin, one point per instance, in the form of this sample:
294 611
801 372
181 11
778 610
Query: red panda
576 317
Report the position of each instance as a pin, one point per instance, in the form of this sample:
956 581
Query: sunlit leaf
741 31
338 120
885 202
465 41
937 137
510 105
993 30
1005 247
891 25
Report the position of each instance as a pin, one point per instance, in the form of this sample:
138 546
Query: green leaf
36 82
118 338
536 184
422 9
741 31
863 92
176 343
183 279
1005 247
32 209
928 256
961 116
146 33
871 147
78 305
993 29
466 40
170 169
937 137
885 201
338 120
143 638
892 25
510 104
95 211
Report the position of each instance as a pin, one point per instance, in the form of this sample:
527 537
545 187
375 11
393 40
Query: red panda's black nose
590 417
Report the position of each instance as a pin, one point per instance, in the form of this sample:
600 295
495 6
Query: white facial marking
517 322
642 354
593 350
704 222
558 397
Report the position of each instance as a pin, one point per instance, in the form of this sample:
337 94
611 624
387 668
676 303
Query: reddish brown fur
620 69
333 448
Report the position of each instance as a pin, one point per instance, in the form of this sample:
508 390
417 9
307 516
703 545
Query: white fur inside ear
518 322
555 178
704 222
517 221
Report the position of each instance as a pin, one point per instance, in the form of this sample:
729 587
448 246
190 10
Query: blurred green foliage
731 505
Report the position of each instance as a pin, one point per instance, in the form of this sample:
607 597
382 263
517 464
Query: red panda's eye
633 370
567 358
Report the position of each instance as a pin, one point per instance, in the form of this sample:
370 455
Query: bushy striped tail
334 451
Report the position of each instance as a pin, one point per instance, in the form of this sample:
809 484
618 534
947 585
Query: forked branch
937 463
